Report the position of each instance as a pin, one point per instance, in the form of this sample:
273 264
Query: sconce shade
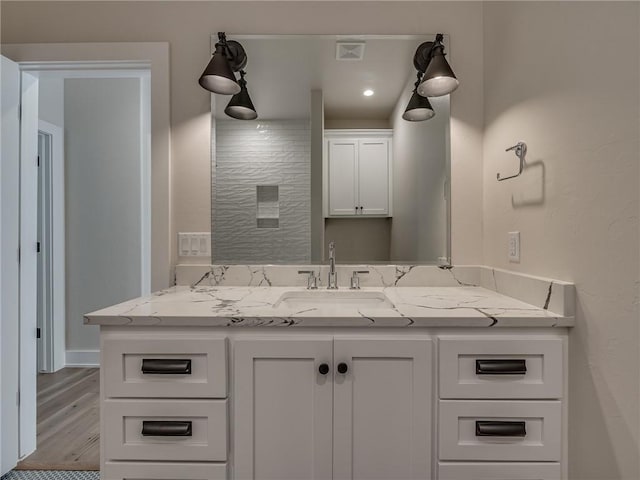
439 78
418 109
218 77
240 106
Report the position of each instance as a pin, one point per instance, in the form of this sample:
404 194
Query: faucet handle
312 280
355 280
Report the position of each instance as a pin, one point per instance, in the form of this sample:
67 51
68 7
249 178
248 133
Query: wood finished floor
68 430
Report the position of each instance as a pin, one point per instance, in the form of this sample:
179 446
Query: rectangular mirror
330 157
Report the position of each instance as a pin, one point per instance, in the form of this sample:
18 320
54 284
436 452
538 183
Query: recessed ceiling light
367 93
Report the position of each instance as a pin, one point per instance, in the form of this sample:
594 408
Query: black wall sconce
219 77
435 79
240 106
419 107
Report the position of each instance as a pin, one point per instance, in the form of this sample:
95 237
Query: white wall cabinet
358 173
376 392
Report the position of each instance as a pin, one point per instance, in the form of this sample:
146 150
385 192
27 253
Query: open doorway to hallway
93 243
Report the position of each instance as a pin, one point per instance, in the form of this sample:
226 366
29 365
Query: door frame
51 225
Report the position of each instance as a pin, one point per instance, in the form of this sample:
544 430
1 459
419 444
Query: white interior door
343 179
283 408
9 267
28 261
373 176
382 409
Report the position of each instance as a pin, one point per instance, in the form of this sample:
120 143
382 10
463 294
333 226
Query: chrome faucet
332 284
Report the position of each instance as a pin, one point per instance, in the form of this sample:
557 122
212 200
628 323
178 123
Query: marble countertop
236 306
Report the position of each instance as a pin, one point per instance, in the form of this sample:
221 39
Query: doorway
94 243
51 249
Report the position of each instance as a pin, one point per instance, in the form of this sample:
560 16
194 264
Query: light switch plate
514 247
194 244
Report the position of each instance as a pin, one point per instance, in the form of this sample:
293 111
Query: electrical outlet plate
194 244
514 247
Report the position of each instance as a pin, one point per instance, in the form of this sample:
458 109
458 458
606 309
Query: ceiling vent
350 51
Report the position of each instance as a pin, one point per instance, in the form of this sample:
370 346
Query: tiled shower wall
253 154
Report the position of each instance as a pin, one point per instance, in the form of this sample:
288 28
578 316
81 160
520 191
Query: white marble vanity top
250 306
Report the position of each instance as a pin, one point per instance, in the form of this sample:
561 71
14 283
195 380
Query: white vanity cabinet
358 172
164 404
332 407
333 403
501 401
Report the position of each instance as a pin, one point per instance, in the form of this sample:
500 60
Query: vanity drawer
507 367
500 430
162 471
165 367
171 430
499 471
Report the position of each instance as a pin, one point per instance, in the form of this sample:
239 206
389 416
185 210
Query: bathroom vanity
424 373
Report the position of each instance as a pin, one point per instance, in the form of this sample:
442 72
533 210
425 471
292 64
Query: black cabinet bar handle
166 428
501 367
166 366
500 429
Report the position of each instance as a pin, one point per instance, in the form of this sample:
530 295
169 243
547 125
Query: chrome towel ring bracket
520 151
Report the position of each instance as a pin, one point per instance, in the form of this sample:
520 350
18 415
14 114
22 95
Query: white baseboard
82 358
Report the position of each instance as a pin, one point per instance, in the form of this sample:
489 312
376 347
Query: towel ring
520 151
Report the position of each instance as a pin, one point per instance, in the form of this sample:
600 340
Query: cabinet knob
343 368
323 369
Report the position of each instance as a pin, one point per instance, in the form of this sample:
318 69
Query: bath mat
50 475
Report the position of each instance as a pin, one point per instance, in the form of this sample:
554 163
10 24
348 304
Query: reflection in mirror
330 157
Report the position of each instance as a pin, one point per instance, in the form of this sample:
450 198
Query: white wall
563 77
420 149
102 183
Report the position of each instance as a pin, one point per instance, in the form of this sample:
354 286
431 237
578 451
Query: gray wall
51 100
338 123
358 239
103 217
250 154
317 140
419 225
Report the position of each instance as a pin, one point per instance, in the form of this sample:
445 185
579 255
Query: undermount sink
328 298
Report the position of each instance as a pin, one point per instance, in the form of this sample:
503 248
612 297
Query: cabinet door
283 409
382 409
343 157
373 177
